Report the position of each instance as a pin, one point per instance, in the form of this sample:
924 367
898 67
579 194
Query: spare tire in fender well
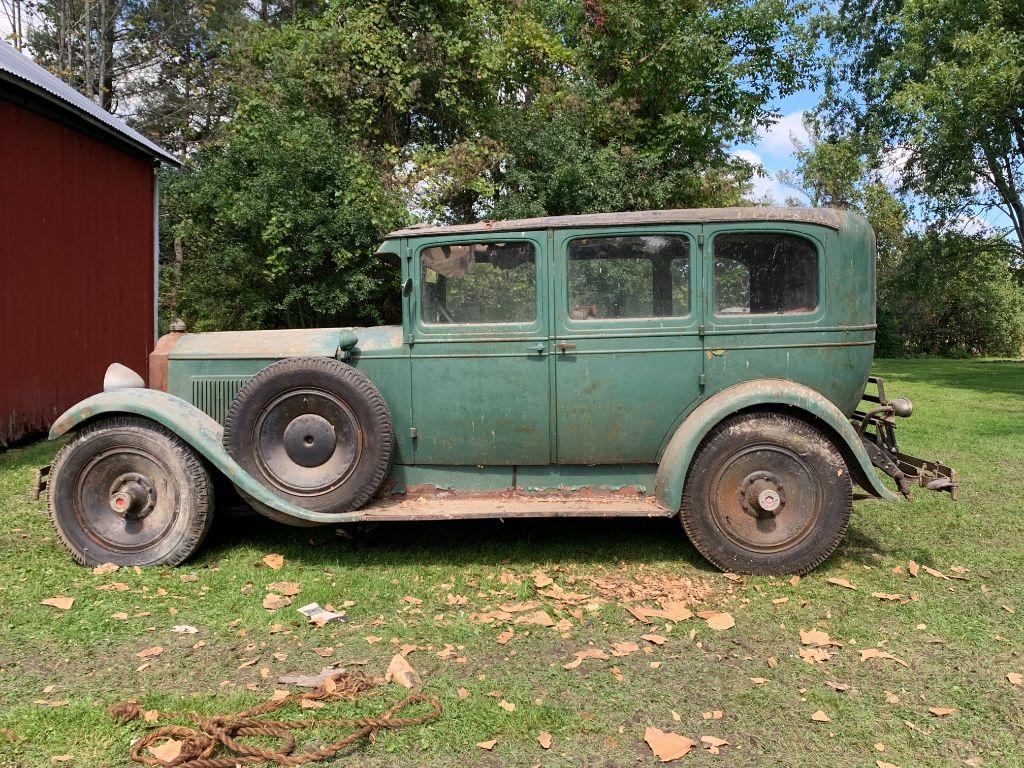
314 431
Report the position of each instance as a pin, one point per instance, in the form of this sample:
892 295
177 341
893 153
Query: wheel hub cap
132 496
310 440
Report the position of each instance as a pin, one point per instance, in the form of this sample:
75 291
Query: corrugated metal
76 267
213 394
28 74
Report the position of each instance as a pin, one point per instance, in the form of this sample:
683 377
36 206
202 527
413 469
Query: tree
940 83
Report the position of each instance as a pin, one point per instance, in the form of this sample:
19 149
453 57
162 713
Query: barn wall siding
76 267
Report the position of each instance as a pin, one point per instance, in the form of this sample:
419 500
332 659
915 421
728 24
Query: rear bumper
876 428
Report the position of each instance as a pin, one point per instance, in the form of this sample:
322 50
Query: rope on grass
221 733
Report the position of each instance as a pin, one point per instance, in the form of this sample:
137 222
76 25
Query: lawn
427 585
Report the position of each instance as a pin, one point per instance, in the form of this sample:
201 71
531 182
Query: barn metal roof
828 217
21 71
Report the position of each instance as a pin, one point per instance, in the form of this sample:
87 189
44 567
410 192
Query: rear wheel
767 493
125 490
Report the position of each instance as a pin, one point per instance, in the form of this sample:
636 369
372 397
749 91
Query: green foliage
953 296
279 223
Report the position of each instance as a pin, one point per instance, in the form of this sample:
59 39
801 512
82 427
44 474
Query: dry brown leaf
794 580
887 596
402 673
913 568
625 648
463 693
150 715
60 601
167 750
544 739
310 703
508 706
654 639
105 568
587 653
505 636
324 652
412 600
274 561
540 618
815 655
720 621
891 698
715 714
488 745
673 611
780 601
666 745
821 717
273 601
120 616
816 637
151 652
759 680
935 573
286 588
841 583
883 764
1015 678
61 758
542 580
835 686
941 711
875 653
713 744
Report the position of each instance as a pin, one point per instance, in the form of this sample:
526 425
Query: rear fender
194 427
675 462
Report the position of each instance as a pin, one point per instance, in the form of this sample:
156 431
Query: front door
480 380
627 350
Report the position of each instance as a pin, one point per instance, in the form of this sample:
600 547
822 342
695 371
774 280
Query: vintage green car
701 364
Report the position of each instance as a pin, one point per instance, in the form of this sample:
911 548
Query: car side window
632 276
465 283
758 273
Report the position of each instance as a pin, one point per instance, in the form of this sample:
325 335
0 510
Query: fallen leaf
780 601
105 568
887 596
401 672
655 639
61 758
891 698
624 649
185 629
913 568
720 621
666 745
324 652
821 717
412 600
840 687
248 663
149 653
816 637
463 693
713 744
544 739
310 703
715 714
841 583
287 588
505 636
588 653
274 562
508 706
150 715
187 578
1015 678
540 618
935 573
120 616
167 751
815 655
941 711
273 601
542 580
759 680
64 603
488 745
794 580
883 764
875 653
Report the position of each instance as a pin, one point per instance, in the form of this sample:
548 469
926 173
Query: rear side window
629 277
479 283
764 273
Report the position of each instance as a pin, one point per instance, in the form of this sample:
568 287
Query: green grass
958 639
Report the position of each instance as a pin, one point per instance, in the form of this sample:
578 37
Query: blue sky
773 151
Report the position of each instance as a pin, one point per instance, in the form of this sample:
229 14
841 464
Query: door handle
564 347
540 348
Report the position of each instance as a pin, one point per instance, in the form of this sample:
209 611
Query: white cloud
751 157
781 138
764 183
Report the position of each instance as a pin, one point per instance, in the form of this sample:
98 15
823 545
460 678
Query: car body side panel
764 392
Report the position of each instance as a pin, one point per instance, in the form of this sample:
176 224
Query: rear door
627 353
480 380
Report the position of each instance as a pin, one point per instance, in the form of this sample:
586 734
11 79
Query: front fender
194 427
668 484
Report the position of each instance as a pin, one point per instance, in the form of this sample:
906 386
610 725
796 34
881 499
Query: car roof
833 218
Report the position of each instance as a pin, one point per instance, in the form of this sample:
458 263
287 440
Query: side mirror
407 287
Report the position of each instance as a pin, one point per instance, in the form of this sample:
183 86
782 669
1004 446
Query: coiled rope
213 742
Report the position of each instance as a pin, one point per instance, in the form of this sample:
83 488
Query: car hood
292 342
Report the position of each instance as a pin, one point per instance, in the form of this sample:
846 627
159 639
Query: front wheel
127 491
766 493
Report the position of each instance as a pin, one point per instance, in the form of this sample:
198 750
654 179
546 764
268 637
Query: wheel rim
125 499
766 498
307 441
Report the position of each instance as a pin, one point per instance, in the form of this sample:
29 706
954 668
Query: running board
501 506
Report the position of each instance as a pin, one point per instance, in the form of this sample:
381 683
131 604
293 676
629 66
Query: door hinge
700 240
412 433
700 330
702 380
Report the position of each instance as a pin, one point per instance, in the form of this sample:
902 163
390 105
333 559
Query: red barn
78 244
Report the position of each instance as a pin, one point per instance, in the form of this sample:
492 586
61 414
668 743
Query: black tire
766 493
314 431
159 480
